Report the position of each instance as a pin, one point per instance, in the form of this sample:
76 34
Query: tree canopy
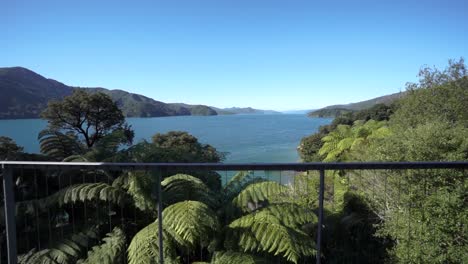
89 116
8 148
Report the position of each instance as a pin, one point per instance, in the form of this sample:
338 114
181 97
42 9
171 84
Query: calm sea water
245 138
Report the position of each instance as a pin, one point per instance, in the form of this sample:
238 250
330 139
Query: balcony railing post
9 199
320 216
160 173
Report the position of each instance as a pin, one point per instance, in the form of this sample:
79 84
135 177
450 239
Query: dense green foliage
100 216
96 216
8 148
414 216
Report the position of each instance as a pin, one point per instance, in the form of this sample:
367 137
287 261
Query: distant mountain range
298 112
24 94
243 110
336 110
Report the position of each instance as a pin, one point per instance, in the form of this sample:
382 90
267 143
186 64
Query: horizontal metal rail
245 166
9 166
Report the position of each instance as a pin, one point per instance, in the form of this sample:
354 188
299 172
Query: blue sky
266 54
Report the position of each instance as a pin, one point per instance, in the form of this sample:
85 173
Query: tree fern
232 257
141 189
144 247
274 238
112 249
258 192
87 192
58 145
290 214
183 187
190 222
239 182
65 251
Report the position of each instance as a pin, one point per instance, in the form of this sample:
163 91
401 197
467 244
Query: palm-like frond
258 192
141 188
237 180
290 214
77 158
111 251
276 229
58 145
190 222
144 247
238 183
264 235
232 257
64 251
87 192
181 187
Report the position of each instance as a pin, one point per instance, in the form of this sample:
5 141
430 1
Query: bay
244 138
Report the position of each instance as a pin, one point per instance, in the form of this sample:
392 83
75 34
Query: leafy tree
88 116
8 148
345 141
445 103
425 212
187 147
309 147
432 77
378 112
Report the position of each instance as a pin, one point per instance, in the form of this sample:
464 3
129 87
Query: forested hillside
338 110
415 216
25 94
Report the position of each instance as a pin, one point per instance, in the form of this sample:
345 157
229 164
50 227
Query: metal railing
8 169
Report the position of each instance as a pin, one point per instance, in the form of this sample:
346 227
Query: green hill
25 94
243 110
337 110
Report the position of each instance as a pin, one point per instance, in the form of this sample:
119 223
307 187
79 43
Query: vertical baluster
70 182
107 174
84 208
10 221
49 227
160 173
409 204
320 218
36 210
61 221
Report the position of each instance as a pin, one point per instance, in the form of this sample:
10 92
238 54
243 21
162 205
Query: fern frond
237 180
64 251
76 158
258 192
182 187
87 192
144 247
58 145
190 222
274 238
238 183
111 251
141 189
345 144
290 214
232 257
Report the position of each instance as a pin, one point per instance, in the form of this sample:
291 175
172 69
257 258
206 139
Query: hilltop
26 93
337 110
